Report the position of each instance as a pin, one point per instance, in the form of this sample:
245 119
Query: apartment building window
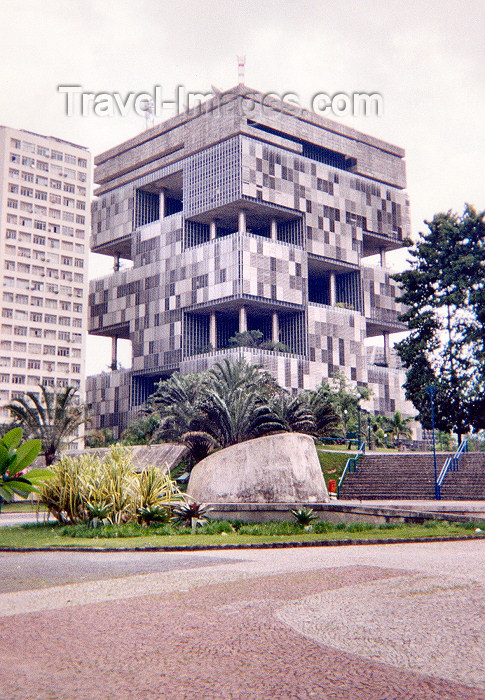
80 233
14 158
24 268
36 301
50 318
65 275
4 361
35 317
80 219
29 147
78 277
6 344
68 231
78 262
40 225
42 151
56 155
76 369
66 305
64 321
76 337
77 308
41 165
38 240
77 322
48 366
40 194
80 205
19 362
48 381
76 352
82 177
9 265
20 330
7 313
49 349
67 216
15 174
62 352
36 332
41 180
81 191
10 234
18 379
82 162
29 162
15 143
13 189
69 188
26 192
64 335
26 206
33 364
68 202
51 303
70 159
4 378
26 223
12 203
56 184
21 299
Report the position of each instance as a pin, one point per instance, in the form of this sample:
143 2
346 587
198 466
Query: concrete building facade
45 194
248 214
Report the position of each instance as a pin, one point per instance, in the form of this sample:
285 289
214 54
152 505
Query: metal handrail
451 464
351 466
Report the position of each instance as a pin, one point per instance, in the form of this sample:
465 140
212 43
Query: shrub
304 516
89 487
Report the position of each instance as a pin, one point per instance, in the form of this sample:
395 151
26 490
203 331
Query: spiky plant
191 513
53 417
153 514
304 516
98 513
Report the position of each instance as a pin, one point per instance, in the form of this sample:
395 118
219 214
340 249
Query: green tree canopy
444 291
53 417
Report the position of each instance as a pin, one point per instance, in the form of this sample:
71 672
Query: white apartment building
45 190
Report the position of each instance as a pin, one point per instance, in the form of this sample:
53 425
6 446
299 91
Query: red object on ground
332 486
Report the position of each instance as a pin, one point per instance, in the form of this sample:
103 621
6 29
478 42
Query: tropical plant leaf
25 455
12 439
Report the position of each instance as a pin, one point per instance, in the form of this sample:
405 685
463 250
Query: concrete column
274 230
333 289
243 320
241 226
213 330
213 230
116 262
382 253
114 352
162 204
387 355
275 328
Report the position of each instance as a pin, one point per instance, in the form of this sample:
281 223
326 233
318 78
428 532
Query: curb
245 545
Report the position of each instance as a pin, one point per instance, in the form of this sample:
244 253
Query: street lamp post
358 425
431 390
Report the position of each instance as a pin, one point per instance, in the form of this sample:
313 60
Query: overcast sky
426 58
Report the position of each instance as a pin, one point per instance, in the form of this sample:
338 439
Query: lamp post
358 425
431 390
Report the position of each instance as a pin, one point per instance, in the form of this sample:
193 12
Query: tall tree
444 291
53 417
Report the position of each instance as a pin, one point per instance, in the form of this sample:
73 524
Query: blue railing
451 465
351 466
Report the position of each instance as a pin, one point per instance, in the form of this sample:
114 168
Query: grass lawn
54 535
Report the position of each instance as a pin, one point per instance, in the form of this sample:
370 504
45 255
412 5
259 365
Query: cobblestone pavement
377 622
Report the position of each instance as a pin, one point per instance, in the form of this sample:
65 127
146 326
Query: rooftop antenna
147 107
241 64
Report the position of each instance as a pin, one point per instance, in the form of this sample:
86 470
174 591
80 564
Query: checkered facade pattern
236 222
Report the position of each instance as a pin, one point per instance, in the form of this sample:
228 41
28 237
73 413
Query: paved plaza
367 622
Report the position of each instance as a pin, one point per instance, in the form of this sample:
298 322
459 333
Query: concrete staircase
410 476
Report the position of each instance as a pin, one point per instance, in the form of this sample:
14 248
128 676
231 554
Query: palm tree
398 426
294 413
51 417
